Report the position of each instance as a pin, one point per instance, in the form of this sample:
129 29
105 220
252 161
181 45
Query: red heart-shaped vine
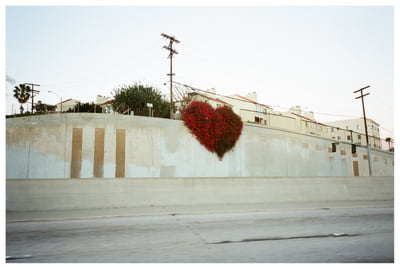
216 129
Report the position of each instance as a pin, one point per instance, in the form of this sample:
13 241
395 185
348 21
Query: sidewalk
75 214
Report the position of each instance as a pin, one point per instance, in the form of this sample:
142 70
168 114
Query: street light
60 100
150 106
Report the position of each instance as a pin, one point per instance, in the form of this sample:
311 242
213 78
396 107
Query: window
359 137
348 137
259 109
338 137
358 127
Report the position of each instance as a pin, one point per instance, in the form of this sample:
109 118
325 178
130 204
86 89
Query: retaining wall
91 145
61 194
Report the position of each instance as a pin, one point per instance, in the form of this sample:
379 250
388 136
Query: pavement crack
286 238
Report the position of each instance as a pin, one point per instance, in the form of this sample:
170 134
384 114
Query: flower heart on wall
216 129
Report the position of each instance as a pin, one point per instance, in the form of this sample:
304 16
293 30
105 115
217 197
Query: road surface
289 233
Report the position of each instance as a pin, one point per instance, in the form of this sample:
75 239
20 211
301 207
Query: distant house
66 104
105 103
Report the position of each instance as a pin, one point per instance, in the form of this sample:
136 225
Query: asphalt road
344 233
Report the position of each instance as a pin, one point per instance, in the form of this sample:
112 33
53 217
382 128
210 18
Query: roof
107 102
65 101
350 120
214 99
301 116
251 101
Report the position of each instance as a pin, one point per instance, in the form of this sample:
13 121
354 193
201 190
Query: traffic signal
333 147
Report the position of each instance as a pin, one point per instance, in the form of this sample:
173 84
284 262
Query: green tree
22 94
43 108
85 107
136 97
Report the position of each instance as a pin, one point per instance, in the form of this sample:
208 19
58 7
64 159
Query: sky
311 56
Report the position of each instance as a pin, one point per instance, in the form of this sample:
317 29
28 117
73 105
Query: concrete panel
88 137
59 194
109 151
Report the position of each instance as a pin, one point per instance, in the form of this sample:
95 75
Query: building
294 119
248 108
353 130
66 104
209 97
302 122
105 103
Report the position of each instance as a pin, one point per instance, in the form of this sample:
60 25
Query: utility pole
33 93
362 95
171 53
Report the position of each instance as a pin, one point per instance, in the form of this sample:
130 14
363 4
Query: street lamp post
150 106
60 100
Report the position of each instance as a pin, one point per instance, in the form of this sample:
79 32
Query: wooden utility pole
33 93
171 53
362 95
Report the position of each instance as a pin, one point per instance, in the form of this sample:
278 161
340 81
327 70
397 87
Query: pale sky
314 57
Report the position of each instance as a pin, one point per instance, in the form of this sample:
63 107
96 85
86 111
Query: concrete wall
110 146
61 194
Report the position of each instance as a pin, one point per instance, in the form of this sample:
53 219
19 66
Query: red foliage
216 129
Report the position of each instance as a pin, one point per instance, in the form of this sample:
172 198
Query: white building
300 122
105 103
295 119
248 108
353 130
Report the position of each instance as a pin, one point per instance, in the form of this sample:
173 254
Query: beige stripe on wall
355 168
98 152
76 156
120 153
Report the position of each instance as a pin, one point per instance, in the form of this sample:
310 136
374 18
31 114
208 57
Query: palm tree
22 93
